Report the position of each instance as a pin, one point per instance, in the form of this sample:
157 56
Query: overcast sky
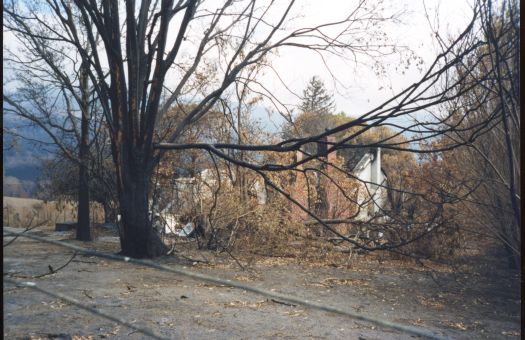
361 90
357 90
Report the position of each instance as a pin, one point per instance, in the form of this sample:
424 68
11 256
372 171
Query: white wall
371 175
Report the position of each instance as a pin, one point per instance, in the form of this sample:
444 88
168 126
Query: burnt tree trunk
131 102
138 239
83 227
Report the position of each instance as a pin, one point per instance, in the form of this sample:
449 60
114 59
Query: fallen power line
70 300
230 283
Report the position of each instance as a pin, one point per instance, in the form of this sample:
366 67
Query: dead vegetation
20 212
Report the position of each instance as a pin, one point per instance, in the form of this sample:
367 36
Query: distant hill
22 162
21 157
15 187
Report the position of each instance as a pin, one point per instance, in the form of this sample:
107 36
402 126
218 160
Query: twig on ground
194 260
32 285
51 270
27 228
283 303
233 257
273 255
86 294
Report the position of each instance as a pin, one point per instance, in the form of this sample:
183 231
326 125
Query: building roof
353 157
368 157
356 159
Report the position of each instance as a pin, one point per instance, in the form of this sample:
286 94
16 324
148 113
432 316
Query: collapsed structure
354 191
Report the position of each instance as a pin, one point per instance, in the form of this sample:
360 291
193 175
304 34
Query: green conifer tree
316 99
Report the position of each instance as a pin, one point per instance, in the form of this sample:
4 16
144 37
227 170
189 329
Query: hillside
22 156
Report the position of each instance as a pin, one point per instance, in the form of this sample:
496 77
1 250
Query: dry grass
24 212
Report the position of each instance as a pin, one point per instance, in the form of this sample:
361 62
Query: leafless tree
54 95
484 175
129 51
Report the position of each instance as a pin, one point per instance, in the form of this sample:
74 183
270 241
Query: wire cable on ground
75 302
230 283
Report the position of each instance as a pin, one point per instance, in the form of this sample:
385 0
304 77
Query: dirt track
478 301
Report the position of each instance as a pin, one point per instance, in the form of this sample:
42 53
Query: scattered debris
456 325
187 231
247 304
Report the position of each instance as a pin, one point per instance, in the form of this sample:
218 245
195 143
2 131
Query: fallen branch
274 255
233 257
28 228
51 270
194 260
78 304
86 294
283 303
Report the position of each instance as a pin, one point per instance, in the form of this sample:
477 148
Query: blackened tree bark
83 225
138 238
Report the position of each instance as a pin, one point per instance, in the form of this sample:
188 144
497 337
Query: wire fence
215 280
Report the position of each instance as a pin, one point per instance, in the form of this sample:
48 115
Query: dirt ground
478 299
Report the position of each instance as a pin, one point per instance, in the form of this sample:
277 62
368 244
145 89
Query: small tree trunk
83 230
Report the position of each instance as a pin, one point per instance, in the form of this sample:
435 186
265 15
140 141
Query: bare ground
479 299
